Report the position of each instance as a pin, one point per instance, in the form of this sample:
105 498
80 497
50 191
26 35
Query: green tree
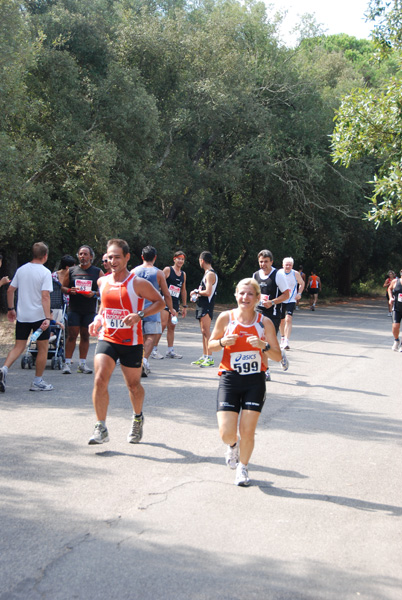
369 123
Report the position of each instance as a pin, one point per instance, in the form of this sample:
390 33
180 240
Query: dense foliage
185 125
369 120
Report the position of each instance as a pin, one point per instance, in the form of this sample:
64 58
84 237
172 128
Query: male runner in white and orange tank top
120 337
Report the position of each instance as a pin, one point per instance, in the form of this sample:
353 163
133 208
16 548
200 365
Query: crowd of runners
128 311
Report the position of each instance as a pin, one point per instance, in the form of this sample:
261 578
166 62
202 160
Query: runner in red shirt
120 337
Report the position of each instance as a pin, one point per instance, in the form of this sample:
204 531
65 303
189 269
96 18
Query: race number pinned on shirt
83 286
246 363
174 291
114 318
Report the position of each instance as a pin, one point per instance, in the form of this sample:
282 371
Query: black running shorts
23 330
245 392
130 356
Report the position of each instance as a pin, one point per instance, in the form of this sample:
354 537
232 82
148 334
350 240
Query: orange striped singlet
242 357
118 300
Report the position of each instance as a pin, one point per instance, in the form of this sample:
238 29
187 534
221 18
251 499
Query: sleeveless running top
207 301
242 357
118 300
314 282
397 294
175 284
151 275
269 288
292 285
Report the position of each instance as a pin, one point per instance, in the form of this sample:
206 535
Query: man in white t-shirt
34 284
295 284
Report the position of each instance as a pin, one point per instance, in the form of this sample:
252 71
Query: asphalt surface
163 519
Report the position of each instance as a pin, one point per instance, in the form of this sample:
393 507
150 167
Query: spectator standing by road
151 324
4 280
204 296
81 282
34 284
176 282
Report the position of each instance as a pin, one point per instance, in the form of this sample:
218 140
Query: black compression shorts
245 392
130 356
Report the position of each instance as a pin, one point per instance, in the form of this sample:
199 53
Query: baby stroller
57 343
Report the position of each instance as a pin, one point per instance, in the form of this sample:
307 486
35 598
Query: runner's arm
11 314
184 296
300 281
218 338
210 279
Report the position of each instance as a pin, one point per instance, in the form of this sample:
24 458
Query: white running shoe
41 386
100 435
284 361
66 369
136 431
2 380
156 355
232 456
242 477
286 345
145 370
84 369
283 340
173 354
396 345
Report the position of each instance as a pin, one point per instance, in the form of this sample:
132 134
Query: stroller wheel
30 361
24 362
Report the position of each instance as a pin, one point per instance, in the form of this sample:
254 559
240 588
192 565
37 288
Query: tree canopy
183 125
369 120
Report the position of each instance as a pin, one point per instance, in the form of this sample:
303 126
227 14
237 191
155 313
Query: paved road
163 520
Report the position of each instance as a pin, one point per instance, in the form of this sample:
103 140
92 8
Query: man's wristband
8 309
220 343
184 305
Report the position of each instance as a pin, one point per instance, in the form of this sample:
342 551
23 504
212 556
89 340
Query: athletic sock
5 369
170 348
138 416
68 361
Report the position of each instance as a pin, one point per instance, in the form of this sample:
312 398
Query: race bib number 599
246 363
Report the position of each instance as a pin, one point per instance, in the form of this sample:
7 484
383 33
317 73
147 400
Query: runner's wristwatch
267 347
140 313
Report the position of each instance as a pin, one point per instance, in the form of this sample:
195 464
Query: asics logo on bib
242 357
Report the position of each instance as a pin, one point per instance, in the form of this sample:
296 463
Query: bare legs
248 420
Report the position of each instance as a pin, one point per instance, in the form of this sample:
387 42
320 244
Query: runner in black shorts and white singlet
248 339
